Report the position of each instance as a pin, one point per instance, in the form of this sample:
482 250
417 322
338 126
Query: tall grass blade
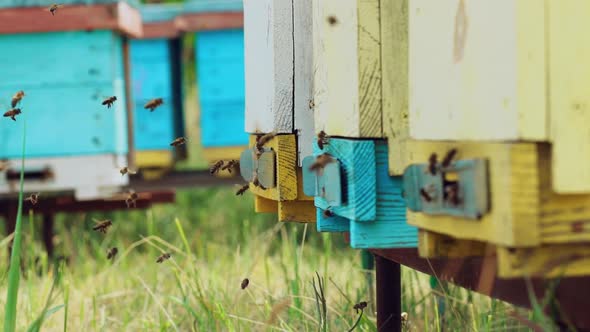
14 273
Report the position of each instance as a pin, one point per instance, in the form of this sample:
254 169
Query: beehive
73 142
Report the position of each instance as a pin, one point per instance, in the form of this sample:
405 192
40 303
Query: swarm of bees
126 170
53 8
111 253
102 226
245 283
33 198
153 104
320 162
178 142
163 257
109 101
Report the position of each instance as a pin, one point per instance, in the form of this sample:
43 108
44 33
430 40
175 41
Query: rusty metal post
389 303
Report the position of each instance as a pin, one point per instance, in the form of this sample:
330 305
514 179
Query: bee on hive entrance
245 283
448 158
216 167
230 164
178 142
322 139
328 213
163 257
17 98
102 225
432 163
360 306
109 101
33 198
256 182
242 190
126 170
261 140
111 253
12 113
131 199
153 104
320 162
54 8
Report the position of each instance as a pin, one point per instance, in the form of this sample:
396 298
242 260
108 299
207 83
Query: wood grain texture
394 68
335 224
357 160
100 177
472 78
209 21
285 169
569 95
435 245
389 228
350 49
549 261
513 219
118 16
303 62
264 205
268 41
297 211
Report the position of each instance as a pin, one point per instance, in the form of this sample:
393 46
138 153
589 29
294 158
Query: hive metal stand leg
48 220
389 304
10 225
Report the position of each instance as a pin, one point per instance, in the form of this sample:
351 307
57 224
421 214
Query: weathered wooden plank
209 21
394 65
472 78
268 41
349 53
548 261
513 219
265 205
435 245
109 15
334 224
303 62
47 3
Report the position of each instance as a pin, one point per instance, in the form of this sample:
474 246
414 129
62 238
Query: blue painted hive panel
65 76
220 75
151 76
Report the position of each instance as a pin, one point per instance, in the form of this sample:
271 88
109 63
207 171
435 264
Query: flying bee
230 164
12 113
216 167
163 257
33 198
322 139
360 306
109 101
432 163
153 104
179 141
242 190
54 8
126 170
448 158
131 199
102 225
111 253
425 195
245 283
321 161
17 98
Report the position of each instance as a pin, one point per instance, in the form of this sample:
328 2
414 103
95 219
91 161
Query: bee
215 168
230 164
17 98
179 141
332 20
111 253
242 190
163 257
404 317
261 140
360 306
109 101
432 164
321 161
102 225
452 193
12 113
449 158
322 139
327 213
245 283
126 170
311 104
33 198
131 199
54 8
257 183
425 195
153 104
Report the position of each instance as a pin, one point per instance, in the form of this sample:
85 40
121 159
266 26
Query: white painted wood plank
90 177
303 51
268 43
477 70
